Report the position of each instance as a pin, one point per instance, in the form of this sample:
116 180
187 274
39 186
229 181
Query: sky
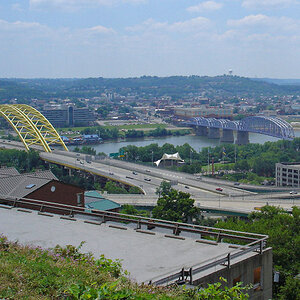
131 38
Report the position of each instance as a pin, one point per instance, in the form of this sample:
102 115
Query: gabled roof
5 171
20 185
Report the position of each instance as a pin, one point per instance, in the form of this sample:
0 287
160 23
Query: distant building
91 138
203 111
288 174
61 116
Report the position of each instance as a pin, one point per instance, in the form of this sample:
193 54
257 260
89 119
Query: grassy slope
34 273
65 273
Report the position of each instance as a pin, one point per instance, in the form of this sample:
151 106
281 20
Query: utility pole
208 161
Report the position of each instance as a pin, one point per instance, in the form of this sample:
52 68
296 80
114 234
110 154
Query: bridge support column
201 130
213 133
227 136
242 138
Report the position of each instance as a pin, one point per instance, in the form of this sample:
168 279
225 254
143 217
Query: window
29 186
236 280
257 279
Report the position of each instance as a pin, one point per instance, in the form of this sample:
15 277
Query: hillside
144 87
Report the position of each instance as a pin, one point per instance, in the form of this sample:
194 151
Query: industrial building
288 174
62 116
204 111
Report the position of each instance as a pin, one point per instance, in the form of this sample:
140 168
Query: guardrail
251 241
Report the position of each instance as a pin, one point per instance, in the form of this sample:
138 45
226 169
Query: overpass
271 126
36 132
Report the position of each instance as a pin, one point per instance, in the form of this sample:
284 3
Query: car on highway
82 162
186 187
236 183
199 178
148 171
219 189
147 179
111 173
293 192
134 173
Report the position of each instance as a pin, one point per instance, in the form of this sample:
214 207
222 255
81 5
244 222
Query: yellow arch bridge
31 126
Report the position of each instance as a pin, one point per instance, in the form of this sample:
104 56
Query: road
202 189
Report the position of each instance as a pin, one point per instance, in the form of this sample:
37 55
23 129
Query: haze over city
126 38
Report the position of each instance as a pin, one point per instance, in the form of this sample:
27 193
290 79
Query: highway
202 189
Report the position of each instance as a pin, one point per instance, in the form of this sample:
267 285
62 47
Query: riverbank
195 141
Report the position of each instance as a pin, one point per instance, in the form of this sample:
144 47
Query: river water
197 142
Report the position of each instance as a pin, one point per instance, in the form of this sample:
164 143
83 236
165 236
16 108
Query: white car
293 192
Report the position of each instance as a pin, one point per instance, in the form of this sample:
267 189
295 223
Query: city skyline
131 38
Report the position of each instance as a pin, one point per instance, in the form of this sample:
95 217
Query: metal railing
251 241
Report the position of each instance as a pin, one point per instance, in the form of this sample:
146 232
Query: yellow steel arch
44 127
31 126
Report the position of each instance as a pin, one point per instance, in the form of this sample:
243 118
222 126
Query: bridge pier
242 138
201 130
227 136
213 133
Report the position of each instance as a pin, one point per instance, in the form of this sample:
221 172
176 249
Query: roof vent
30 186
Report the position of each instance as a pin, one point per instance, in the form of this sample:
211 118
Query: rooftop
20 185
146 254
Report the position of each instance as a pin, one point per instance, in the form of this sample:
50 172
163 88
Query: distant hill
279 81
146 87
10 89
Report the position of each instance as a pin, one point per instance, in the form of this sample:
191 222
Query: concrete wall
244 272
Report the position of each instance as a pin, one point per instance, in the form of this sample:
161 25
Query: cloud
190 25
253 4
20 26
77 4
205 6
263 22
100 30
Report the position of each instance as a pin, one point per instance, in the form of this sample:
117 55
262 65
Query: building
62 116
204 111
94 200
167 253
288 174
41 185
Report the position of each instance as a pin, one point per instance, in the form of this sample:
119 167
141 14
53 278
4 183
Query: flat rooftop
145 256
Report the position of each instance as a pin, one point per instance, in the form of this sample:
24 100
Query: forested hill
13 90
145 86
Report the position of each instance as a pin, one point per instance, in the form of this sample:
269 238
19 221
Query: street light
152 157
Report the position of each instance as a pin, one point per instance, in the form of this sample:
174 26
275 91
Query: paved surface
144 256
236 198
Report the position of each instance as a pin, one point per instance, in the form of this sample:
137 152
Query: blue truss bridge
223 129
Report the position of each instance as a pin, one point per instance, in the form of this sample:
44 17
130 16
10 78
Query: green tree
283 230
113 188
164 188
175 206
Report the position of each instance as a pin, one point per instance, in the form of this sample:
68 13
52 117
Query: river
197 142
